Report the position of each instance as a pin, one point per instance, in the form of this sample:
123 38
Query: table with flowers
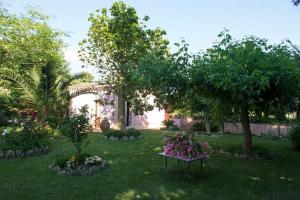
184 149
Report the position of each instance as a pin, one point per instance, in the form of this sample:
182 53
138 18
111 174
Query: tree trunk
298 113
207 123
124 116
222 127
78 149
246 129
280 115
122 113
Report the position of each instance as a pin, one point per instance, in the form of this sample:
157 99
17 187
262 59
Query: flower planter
243 156
91 165
122 138
79 171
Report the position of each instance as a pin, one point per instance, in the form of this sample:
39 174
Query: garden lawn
134 173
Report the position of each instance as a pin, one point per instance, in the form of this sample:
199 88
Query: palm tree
43 89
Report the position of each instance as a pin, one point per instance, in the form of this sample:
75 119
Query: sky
197 21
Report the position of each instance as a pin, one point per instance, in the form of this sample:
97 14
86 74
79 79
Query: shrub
214 127
114 133
295 136
168 123
173 128
3 118
197 127
133 132
61 161
27 137
77 127
119 134
104 125
83 164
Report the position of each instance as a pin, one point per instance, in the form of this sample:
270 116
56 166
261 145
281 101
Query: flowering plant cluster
74 162
185 147
31 134
82 165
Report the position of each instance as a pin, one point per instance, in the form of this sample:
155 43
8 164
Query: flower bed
30 139
130 134
257 153
185 147
78 165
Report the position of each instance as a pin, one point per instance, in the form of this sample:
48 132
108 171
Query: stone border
13 154
79 171
244 156
123 138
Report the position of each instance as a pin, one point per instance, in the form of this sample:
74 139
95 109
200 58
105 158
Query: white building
102 105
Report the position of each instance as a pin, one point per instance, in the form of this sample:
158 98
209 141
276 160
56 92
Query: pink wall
258 129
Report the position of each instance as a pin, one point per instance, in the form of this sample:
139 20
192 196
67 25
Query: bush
168 123
173 128
61 161
295 136
114 133
3 119
27 137
77 127
119 134
214 127
133 132
104 125
197 127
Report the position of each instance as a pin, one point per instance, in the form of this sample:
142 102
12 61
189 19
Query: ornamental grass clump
184 146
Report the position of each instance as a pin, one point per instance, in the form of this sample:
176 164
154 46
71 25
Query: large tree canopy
28 41
117 40
249 75
32 66
240 77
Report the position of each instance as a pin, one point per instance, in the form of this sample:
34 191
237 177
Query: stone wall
258 129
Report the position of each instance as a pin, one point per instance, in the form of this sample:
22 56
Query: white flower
5 132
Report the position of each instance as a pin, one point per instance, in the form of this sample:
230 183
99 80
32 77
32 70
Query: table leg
166 163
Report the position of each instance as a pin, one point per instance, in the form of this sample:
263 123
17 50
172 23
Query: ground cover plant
134 173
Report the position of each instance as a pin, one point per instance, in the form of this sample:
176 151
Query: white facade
98 110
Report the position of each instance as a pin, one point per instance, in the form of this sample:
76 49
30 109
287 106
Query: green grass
134 173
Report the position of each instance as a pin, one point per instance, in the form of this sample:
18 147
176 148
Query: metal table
179 159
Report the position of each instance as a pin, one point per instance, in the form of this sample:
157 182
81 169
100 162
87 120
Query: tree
233 77
117 39
37 76
41 89
19 33
296 2
248 75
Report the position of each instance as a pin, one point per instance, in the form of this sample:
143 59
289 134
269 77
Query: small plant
114 133
133 132
83 164
118 134
168 123
104 125
295 136
77 127
197 127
